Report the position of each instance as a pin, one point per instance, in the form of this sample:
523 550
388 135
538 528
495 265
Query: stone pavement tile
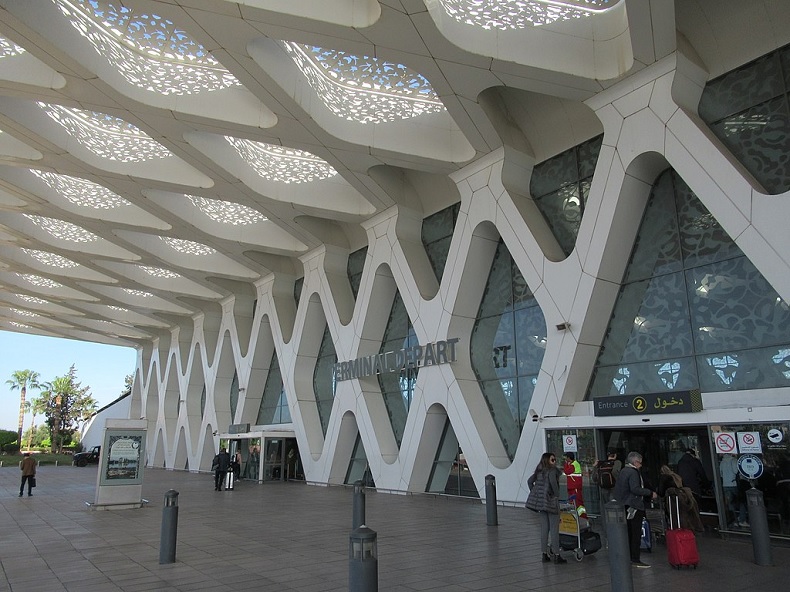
294 538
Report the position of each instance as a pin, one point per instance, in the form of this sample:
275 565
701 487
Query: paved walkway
294 537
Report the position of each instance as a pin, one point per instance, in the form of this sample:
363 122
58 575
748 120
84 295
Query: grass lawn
43 458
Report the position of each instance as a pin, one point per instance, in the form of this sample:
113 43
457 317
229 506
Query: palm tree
22 380
36 407
54 395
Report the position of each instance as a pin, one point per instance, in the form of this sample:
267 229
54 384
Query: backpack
605 474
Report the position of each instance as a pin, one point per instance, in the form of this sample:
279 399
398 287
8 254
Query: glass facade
298 285
355 267
560 186
358 468
450 474
749 111
274 403
398 388
507 346
234 396
437 232
693 312
324 379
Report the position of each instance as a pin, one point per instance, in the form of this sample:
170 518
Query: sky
101 367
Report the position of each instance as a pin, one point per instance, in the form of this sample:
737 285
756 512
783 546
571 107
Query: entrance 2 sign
649 404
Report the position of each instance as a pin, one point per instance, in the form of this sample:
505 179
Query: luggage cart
575 533
657 519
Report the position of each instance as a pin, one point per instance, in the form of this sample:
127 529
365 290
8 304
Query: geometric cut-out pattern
518 14
82 192
364 89
149 51
106 136
278 163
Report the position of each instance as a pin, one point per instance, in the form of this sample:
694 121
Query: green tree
22 380
36 407
66 404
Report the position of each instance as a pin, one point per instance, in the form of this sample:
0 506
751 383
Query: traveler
630 491
605 472
220 465
692 472
28 467
544 490
728 469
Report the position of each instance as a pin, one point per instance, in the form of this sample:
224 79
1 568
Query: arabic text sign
649 404
749 442
122 463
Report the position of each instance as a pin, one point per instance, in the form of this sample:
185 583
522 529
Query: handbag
32 481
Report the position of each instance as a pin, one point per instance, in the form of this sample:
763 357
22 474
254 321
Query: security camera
534 415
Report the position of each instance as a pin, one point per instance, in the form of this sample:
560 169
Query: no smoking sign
749 443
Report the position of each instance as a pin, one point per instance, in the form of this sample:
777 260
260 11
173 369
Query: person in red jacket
573 470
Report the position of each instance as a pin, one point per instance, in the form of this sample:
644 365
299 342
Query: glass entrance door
273 459
665 446
281 460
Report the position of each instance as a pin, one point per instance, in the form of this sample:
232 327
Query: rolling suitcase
646 543
681 542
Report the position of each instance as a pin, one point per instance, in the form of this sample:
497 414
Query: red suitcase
681 542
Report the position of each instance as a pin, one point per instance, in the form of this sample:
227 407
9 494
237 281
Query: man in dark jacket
692 472
630 491
220 464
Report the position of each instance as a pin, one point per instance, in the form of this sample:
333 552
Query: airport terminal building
414 242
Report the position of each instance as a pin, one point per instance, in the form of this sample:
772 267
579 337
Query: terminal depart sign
417 356
649 404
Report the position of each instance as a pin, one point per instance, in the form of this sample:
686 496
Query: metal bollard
619 553
363 561
758 520
491 509
167 540
358 518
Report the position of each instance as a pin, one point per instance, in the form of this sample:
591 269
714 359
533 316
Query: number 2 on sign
640 404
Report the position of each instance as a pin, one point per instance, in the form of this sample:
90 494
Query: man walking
28 466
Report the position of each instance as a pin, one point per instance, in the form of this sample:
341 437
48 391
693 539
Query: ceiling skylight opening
9 49
31 299
20 325
40 282
159 272
82 192
281 164
187 247
364 89
139 293
23 313
106 136
118 308
149 51
506 15
227 212
62 229
51 259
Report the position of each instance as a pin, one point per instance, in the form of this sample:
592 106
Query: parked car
91 456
